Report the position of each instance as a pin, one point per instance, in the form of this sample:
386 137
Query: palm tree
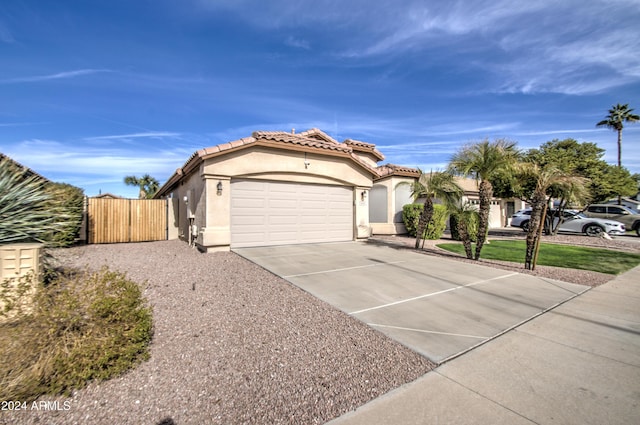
440 185
483 160
548 180
618 115
465 215
147 184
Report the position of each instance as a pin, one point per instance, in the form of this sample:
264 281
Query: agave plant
27 211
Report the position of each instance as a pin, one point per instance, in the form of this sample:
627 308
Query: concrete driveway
438 307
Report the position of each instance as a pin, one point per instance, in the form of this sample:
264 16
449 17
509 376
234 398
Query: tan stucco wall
266 163
367 158
173 216
191 187
390 227
361 211
216 234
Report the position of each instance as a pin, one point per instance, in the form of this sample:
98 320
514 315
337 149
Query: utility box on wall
16 261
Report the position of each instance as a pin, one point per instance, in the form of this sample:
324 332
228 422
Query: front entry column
216 235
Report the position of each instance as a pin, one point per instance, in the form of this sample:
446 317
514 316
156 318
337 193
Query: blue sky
92 91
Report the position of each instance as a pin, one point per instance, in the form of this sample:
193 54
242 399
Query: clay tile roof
396 170
364 147
299 139
316 133
313 138
352 142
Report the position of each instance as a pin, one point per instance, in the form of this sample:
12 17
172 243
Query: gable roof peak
316 133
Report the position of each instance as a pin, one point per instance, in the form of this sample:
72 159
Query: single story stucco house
278 188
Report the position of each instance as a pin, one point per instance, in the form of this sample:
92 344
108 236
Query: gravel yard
232 344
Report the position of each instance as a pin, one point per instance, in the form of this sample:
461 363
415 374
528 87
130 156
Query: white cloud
297 43
57 76
49 156
571 47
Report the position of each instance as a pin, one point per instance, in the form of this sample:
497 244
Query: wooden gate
126 220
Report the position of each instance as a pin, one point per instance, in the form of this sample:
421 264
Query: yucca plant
28 211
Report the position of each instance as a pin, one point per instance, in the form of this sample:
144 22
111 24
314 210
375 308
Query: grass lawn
569 256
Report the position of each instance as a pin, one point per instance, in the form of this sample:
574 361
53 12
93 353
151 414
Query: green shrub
70 201
472 227
81 327
435 228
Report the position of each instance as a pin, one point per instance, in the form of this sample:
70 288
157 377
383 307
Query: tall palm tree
147 184
465 214
618 115
548 180
483 160
440 185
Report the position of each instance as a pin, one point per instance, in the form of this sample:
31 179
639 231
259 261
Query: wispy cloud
570 47
297 43
20 124
149 134
552 132
53 157
57 76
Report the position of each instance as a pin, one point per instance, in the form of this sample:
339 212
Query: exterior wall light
363 195
219 188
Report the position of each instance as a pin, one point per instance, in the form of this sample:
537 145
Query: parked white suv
615 212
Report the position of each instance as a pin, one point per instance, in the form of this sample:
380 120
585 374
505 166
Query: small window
597 210
616 210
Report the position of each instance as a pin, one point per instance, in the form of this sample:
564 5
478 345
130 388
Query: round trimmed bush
435 228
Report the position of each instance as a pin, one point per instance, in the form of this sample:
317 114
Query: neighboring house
107 195
627 202
277 188
501 209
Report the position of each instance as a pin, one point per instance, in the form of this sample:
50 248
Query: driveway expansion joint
431 294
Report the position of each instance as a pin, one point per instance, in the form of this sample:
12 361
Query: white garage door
274 213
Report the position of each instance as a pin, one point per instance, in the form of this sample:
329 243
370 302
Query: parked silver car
520 217
615 212
574 222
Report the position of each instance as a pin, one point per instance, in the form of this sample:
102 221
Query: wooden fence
126 220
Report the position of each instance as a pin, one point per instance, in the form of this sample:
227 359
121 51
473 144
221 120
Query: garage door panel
249 203
279 213
282 220
250 221
279 204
